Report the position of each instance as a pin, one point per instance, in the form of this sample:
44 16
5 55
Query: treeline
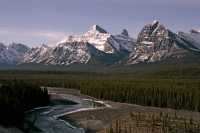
138 122
16 97
167 96
178 92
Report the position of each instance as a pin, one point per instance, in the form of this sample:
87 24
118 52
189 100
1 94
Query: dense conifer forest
138 122
170 87
16 97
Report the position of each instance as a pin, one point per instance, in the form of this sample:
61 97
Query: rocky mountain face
80 53
194 31
96 45
155 43
69 53
103 41
125 41
37 54
190 41
13 53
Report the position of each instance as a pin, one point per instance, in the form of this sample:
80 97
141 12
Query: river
47 119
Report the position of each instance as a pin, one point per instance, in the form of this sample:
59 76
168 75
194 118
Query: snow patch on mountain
194 31
193 38
70 53
153 44
13 53
102 40
126 43
37 54
62 54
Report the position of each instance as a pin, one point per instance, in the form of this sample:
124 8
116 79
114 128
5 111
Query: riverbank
72 112
63 102
105 119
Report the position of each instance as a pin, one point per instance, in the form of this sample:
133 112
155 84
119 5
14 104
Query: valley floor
129 118
108 117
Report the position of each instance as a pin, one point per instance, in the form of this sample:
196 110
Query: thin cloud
49 37
49 34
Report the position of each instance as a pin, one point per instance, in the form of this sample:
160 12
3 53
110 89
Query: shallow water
46 119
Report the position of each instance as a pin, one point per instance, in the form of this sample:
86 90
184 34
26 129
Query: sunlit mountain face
155 42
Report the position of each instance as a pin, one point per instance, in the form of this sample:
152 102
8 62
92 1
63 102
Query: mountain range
154 43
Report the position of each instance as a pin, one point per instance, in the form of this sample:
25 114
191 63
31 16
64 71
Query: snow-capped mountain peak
21 48
192 40
2 46
125 32
102 40
37 54
13 53
153 44
96 28
194 31
155 22
95 44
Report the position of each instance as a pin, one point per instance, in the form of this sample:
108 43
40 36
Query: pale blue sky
48 21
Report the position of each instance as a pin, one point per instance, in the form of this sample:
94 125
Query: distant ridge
154 43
